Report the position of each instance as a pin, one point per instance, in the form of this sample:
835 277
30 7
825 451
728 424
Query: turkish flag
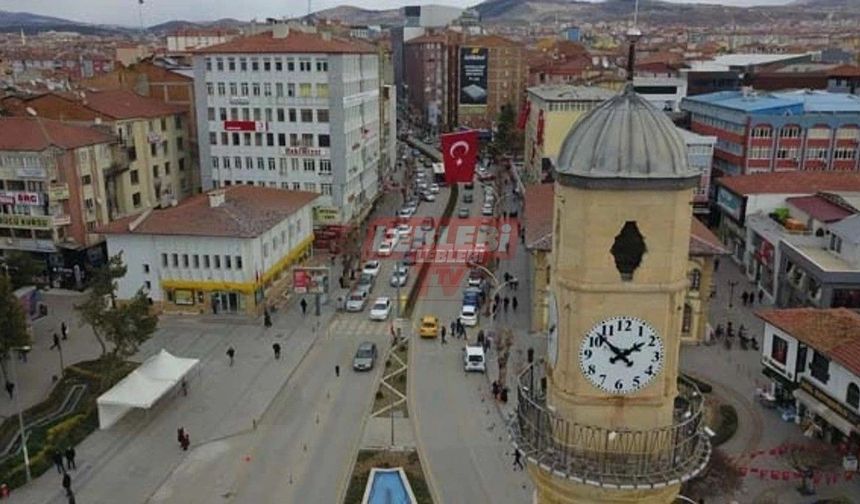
460 153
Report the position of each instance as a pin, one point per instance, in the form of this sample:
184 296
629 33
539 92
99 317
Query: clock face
552 329
621 355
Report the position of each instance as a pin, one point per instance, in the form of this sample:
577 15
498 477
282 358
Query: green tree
13 321
506 130
22 268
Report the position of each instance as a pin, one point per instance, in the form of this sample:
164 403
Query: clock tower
607 419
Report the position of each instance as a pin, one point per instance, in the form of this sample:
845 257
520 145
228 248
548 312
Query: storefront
824 417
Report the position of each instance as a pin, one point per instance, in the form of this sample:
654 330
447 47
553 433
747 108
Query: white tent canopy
143 387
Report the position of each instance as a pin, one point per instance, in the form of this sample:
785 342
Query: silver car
365 357
356 300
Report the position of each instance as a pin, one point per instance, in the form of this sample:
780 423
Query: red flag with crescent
460 153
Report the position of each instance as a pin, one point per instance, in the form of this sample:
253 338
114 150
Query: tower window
628 249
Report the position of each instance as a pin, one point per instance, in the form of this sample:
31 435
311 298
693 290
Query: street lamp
732 284
20 415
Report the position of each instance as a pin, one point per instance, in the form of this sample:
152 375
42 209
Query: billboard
473 75
310 280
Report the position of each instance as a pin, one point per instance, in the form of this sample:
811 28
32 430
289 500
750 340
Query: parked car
463 212
371 268
403 230
468 197
469 315
434 188
475 278
472 296
474 359
487 210
356 300
429 326
428 196
399 276
428 224
365 357
410 258
381 309
385 249
366 280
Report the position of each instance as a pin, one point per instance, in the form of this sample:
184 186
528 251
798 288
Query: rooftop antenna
140 16
633 36
310 10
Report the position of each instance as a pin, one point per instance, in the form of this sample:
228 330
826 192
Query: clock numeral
591 369
607 330
595 341
653 341
619 385
641 331
628 324
602 379
636 382
587 353
655 357
650 371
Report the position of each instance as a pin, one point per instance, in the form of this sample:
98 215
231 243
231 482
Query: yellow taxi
429 327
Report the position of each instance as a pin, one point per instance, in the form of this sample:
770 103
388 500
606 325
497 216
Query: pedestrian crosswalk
346 325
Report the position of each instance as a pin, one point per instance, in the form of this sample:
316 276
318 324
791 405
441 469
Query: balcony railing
602 457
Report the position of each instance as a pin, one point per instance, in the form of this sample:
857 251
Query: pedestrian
10 389
180 435
276 347
506 302
514 303
481 338
71 496
744 298
495 389
57 458
453 328
231 353
752 297
184 385
70 457
496 299
56 342
518 463
67 482
336 370
186 441
267 318
64 330
304 305
716 264
760 295
443 334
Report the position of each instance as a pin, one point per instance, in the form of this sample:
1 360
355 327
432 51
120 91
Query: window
206 261
267 65
309 164
225 162
231 64
307 115
305 64
216 259
279 89
282 139
852 397
325 189
234 89
687 319
291 65
219 64
228 262
294 140
244 88
695 280
135 199
243 64
271 164
778 349
238 259
324 141
267 89
225 138
270 139
281 115
789 132
297 186
294 164
269 115
844 153
305 90
291 113
847 133
210 89
291 90
174 260
182 164
195 260
282 165
325 166
279 65
819 368
255 64
835 243
249 163
164 260
258 139
148 285
322 66
237 162
86 180
307 140
322 115
310 186
210 113
246 139
261 163
184 260
322 90
209 64
235 137
214 163
222 89
155 171
820 133
255 88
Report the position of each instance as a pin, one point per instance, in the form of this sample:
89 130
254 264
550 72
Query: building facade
228 251
426 71
53 194
700 154
292 109
778 132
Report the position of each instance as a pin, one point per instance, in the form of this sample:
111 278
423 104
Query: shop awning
821 409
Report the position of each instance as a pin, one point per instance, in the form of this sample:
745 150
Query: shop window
779 349
853 395
819 368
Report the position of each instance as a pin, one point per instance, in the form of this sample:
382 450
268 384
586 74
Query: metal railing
602 457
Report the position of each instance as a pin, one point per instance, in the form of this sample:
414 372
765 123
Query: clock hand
624 353
619 354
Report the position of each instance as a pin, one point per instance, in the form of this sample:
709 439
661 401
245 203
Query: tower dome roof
625 142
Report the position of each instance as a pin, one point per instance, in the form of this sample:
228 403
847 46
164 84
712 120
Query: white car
356 300
428 196
403 230
399 276
406 212
487 210
391 234
371 268
381 309
474 359
469 315
434 188
423 185
385 248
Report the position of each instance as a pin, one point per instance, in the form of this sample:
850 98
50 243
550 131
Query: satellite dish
31 112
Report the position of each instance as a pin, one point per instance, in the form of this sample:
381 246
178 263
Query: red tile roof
295 42
247 212
538 222
820 209
791 183
490 41
834 332
122 104
37 134
844 71
428 39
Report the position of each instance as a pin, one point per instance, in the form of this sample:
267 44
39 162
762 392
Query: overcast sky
125 12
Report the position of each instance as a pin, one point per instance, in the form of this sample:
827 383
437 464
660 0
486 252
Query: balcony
614 459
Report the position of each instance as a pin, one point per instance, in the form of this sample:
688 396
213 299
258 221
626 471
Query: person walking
186 441
518 463
57 458
70 458
514 303
506 301
336 371
760 295
267 318
496 299
276 347
180 435
304 305
442 332
10 389
744 298
64 330
453 328
231 353
67 482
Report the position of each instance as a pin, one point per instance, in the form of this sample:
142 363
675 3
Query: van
473 359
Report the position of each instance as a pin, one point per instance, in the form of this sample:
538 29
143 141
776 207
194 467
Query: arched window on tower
695 279
853 395
687 320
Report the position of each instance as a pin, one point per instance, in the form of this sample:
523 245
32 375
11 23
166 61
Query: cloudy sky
124 12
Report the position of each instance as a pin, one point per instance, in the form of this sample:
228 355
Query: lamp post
21 416
732 284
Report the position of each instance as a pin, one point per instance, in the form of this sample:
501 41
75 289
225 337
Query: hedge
728 425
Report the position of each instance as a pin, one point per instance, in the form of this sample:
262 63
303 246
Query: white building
813 358
293 109
664 92
700 154
184 41
224 252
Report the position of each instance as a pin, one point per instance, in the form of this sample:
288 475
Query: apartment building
293 109
427 65
52 193
155 136
780 131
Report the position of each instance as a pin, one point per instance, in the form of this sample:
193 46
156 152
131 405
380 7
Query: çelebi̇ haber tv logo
452 241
